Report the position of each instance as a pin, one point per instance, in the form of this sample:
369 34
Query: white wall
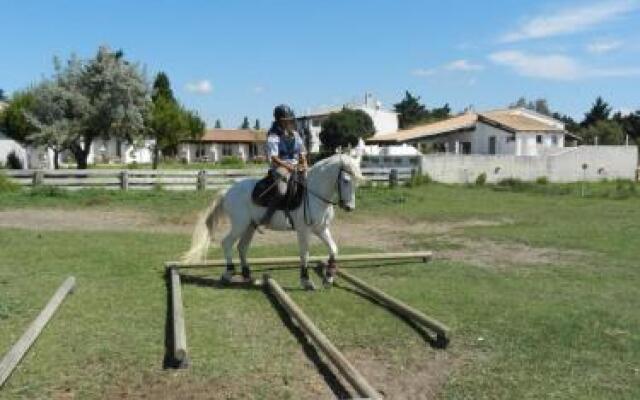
384 121
106 151
603 162
7 146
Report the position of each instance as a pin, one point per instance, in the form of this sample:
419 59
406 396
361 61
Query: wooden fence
137 179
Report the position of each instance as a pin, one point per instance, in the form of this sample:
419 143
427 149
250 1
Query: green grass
566 330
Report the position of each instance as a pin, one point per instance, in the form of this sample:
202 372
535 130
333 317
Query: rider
286 153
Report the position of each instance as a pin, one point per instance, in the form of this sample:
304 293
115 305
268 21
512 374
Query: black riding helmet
283 111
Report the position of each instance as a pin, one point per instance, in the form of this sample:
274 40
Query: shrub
231 160
481 179
6 185
48 191
542 180
419 179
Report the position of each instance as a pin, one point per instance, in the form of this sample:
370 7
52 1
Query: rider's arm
277 161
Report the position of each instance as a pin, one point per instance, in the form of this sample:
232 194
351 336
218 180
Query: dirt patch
382 234
421 376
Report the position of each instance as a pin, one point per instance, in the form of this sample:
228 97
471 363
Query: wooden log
295 261
20 348
441 330
179 331
352 375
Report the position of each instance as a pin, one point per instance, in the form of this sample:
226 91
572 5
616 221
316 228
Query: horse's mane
349 164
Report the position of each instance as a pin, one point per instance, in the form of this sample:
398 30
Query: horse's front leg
325 235
303 246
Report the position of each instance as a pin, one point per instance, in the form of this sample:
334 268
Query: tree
162 88
345 128
608 132
256 126
245 123
539 105
13 121
3 97
410 110
599 111
115 98
55 116
569 123
218 124
168 122
630 124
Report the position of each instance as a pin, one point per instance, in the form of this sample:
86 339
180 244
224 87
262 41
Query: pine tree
257 125
245 123
599 111
218 124
162 88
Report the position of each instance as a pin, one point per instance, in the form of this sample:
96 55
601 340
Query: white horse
336 175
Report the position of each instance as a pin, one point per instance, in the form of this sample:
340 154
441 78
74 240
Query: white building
310 124
519 131
119 151
216 144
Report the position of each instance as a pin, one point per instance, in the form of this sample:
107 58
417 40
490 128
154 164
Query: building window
492 145
315 123
511 138
466 147
554 140
539 139
200 151
227 149
253 150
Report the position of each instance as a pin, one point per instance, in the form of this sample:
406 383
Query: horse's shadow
310 351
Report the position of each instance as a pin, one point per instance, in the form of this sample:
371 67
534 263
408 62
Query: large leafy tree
55 116
600 111
344 128
168 122
114 96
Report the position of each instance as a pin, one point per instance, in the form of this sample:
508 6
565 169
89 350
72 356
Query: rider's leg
281 176
243 246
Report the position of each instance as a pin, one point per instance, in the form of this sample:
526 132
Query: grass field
564 327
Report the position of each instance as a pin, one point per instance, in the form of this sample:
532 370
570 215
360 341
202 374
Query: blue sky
234 58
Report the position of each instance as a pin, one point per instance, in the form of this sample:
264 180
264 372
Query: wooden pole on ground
441 330
20 348
337 358
179 331
416 255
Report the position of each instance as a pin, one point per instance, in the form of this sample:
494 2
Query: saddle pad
265 192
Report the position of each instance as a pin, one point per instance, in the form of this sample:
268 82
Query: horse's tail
203 232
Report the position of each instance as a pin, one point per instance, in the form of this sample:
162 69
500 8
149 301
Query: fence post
202 180
124 180
38 177
393 177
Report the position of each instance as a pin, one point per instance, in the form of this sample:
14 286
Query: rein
307 191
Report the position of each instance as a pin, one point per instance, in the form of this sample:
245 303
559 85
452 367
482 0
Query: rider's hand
302 168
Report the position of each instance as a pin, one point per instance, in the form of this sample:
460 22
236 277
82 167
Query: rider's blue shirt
286 147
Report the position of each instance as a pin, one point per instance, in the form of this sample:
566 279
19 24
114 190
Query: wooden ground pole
179 331
20 348
352 375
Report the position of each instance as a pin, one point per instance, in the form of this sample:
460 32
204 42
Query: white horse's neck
322 179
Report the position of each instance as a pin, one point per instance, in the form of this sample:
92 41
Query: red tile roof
232 136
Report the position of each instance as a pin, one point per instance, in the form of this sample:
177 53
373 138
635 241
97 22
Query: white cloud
571 20
463 65
554 66
199 87
602 46
423 71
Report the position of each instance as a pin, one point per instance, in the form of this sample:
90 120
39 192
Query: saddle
265 192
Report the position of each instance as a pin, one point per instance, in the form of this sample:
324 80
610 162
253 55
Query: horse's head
348 177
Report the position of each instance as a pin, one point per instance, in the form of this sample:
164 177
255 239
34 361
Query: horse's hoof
246 274
307 284
328 281
226 277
